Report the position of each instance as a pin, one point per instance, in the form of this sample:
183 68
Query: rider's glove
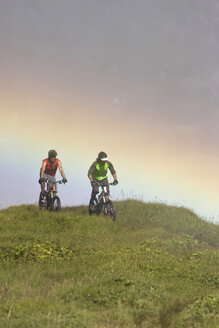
115 182
42 180
64 180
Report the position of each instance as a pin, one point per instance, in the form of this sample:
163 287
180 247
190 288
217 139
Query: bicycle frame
51 197
103 194
103 202
50 184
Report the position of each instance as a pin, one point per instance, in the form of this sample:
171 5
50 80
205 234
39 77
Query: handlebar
102 185
59 181
54 182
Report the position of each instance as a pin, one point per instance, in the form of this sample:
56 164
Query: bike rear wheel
55 204
109 210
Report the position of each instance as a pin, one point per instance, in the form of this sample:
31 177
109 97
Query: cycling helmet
102 156
52 153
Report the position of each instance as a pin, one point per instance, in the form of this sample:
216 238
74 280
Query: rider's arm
112 170
61 169
43 167
91 171
115 176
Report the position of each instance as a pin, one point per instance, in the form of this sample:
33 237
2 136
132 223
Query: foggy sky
144 54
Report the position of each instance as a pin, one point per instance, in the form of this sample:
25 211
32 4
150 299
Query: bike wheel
48 203
98 208
91 209
109 209
42 202
55 204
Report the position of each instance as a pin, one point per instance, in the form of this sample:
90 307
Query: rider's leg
55 191
42 187
43 184
95 191
42 193
106 183
51 183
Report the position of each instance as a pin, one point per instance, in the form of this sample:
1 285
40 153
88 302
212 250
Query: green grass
157 266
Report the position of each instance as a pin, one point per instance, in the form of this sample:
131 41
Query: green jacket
99 171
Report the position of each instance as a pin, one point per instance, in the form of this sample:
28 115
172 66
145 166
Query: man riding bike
48 171
98 173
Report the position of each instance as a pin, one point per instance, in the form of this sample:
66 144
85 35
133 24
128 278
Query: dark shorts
51 180
95 185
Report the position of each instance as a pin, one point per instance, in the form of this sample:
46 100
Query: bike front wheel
109 210
98 208
55 204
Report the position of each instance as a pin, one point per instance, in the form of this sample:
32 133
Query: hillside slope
157 266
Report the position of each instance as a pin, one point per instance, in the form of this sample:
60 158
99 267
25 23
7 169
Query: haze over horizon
139 80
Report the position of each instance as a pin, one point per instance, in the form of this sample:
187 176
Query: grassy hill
157 266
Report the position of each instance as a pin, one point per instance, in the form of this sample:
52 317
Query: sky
136 79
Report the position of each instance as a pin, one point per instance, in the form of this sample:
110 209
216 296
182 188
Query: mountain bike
104 203
50 200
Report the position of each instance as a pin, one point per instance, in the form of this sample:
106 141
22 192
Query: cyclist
48 171
98 172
